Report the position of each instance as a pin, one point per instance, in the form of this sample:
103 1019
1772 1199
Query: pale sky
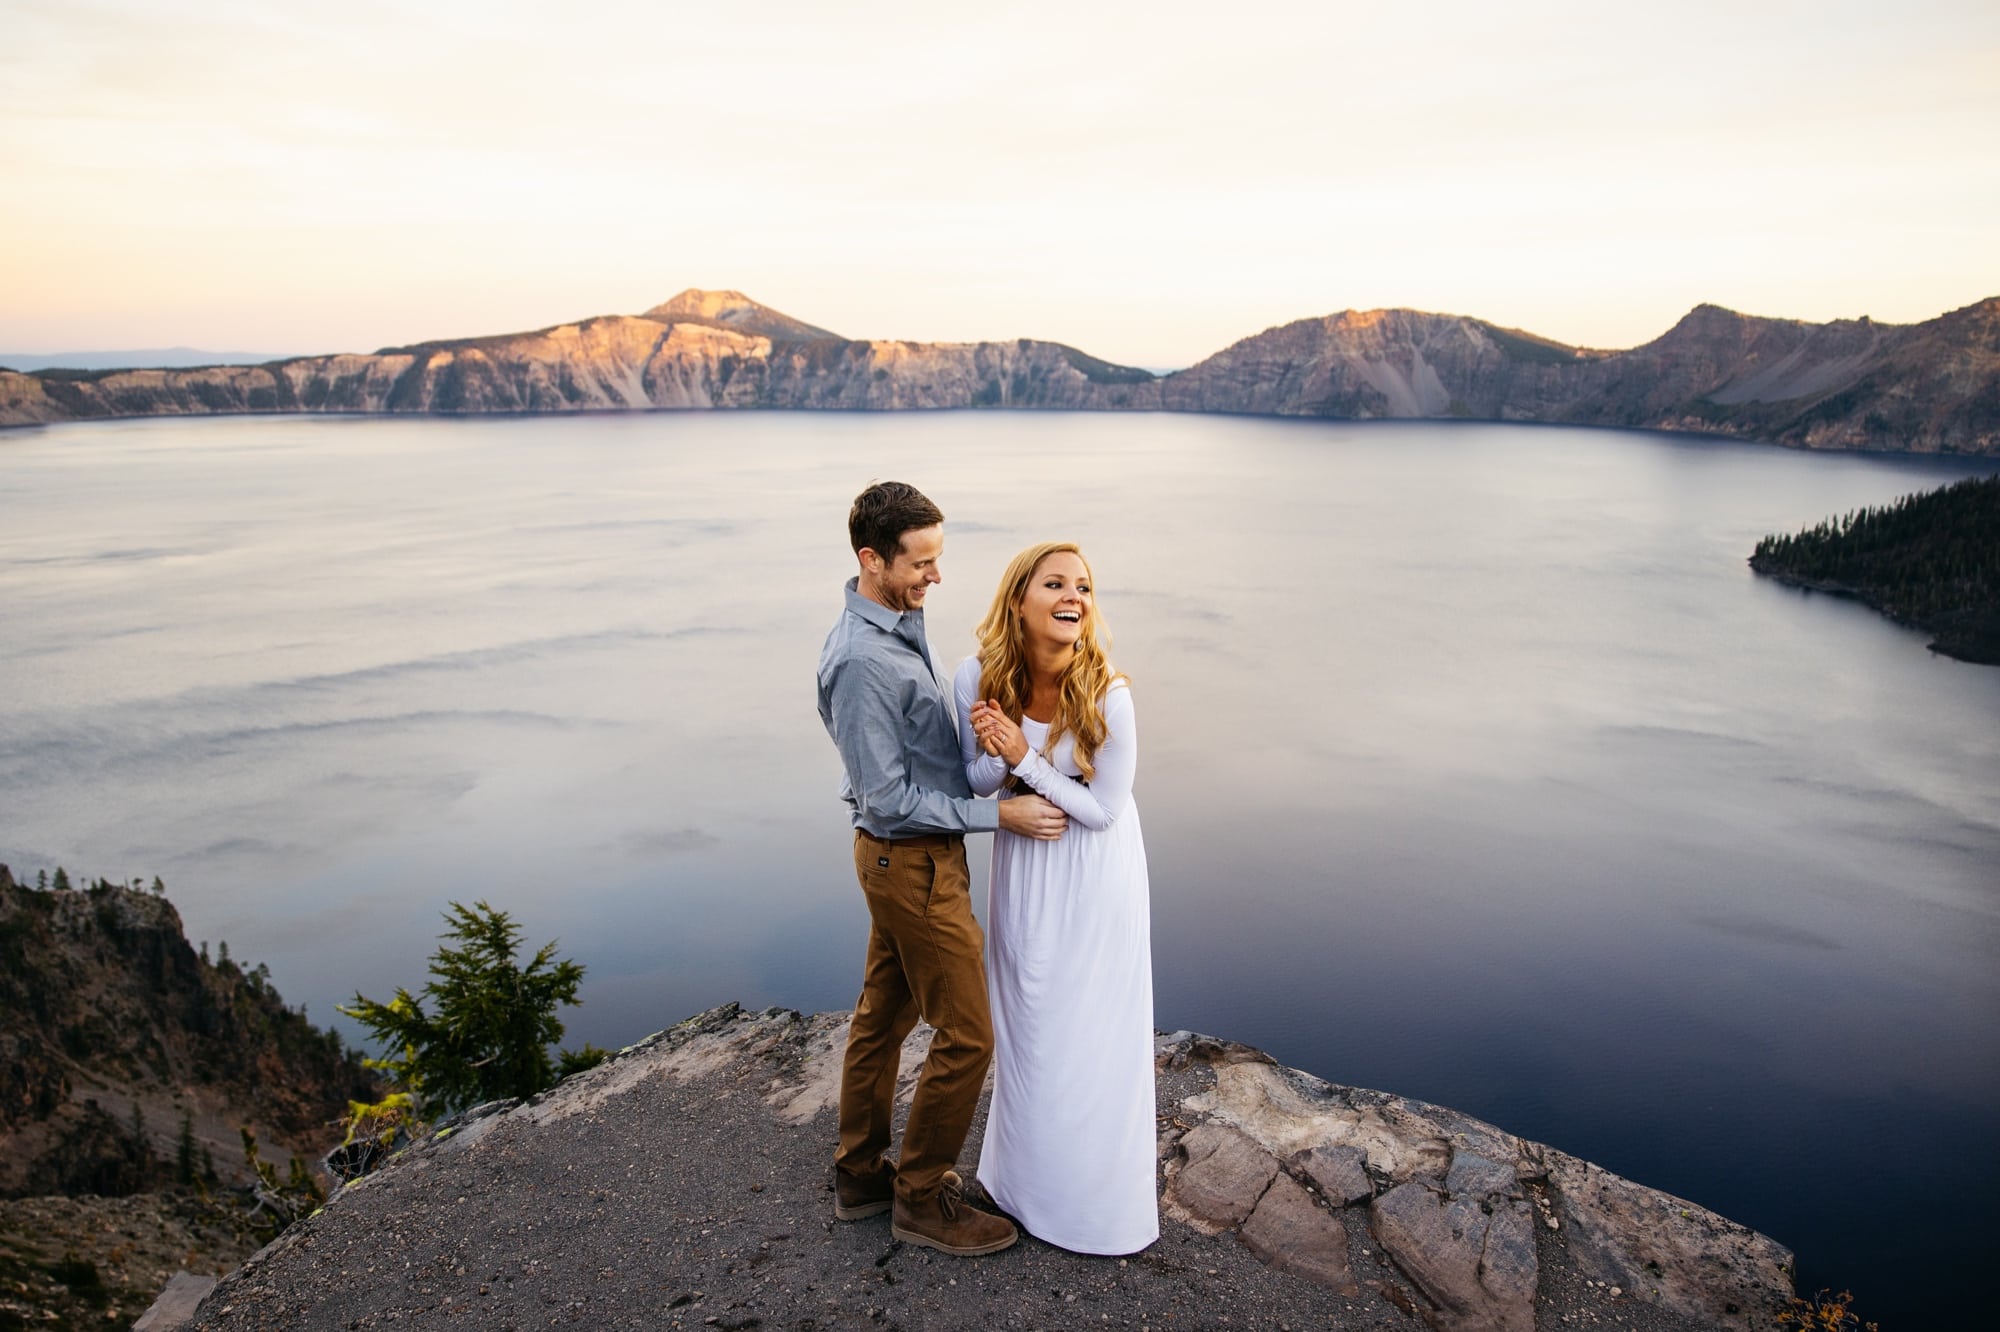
1147 182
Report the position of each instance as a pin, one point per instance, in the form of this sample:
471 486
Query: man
890 715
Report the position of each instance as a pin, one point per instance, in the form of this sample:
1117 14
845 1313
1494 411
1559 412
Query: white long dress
1069 1147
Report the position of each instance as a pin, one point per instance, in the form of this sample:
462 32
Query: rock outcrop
1454 1201
684 1183
1932 387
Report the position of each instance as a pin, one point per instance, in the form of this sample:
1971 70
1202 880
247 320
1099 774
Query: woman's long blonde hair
1004 666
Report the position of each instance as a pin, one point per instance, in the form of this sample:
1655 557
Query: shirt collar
871 610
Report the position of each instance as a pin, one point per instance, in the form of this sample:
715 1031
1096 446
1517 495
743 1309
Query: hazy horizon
136 358
1150 187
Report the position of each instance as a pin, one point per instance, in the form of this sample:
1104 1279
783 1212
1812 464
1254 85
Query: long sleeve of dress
985 771
1099 804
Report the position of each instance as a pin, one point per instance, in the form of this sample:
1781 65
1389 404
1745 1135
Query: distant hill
1854 384
150 358
735 311
1931 561
1932 387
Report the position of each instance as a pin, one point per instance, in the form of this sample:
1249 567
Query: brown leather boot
948 1223
855 1198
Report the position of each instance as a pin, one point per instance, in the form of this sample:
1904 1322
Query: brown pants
925 959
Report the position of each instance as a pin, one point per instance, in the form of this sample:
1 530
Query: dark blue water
1477 766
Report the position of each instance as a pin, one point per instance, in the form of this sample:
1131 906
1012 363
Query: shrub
1822 1313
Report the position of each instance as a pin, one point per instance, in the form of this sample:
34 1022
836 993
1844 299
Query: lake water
1477 766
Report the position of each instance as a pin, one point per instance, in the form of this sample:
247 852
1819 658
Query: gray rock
176 1304
1666 1251
1508 1266
1178 1049
1475 1176
1477 1270
1223 1177
1288 1112
1292 1233
1339 1173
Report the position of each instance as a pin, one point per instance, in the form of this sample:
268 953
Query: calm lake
1476 764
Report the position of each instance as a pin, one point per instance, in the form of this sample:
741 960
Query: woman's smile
1057 600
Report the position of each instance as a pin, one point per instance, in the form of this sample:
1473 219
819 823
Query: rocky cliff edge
686 1183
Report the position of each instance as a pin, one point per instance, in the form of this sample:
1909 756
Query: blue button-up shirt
891 717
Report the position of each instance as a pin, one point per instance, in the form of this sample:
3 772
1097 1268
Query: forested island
1931 561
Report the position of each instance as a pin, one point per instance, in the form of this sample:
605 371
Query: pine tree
493 1020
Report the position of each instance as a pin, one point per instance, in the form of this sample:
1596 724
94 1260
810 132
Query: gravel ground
694 1205
98 1262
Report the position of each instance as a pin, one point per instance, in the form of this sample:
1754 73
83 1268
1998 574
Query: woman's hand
998 734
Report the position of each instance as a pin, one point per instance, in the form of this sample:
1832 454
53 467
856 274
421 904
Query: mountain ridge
105 1007
1854 384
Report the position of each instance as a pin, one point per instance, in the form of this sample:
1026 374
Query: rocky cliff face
1854 384
113 1030
1382 363
1932 387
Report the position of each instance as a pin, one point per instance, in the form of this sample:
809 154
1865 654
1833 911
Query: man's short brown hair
883 512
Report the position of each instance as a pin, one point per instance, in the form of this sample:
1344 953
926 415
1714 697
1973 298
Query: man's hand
1032 816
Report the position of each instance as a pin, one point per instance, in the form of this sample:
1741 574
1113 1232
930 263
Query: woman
1069 1147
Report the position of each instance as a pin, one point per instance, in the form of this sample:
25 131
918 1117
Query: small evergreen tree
492 1023
184 1153
62 879
569 1062
285 1199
